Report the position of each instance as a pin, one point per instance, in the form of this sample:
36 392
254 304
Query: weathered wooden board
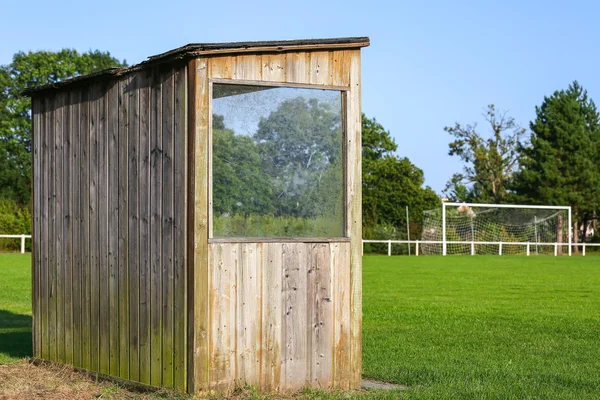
289 323
156 230
180 171
167 228
109 247
144 229
354 215
112 233
120 363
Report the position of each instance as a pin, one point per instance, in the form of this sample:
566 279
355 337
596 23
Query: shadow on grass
15 334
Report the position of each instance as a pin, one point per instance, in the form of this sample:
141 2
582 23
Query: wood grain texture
58 229
41 185
113 100
354 215
122 183
74 167
99 200
132 93
180 170
320 317
285 301
67 233
144 229
167 229
156 230
84 200
296 262
199 273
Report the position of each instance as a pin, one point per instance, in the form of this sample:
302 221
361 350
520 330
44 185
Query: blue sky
430 63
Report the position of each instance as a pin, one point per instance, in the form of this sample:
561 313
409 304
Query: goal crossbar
445 242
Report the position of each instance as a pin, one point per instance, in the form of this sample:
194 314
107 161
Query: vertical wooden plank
179 228
113 227
273 67
297 67
84 199
320 317
319 68
215 252
167 229
221 67
51 268
354 216
144 228
198 265
340 264
133 99
223 310
156 189
59 304
271 316
248 67
295 315
67 234
94 279
35 240
106 104
44 221
123 278
336 68
75 100
248 317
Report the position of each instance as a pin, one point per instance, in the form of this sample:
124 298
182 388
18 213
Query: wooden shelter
136 274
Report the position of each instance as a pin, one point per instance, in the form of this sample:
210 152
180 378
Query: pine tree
561 164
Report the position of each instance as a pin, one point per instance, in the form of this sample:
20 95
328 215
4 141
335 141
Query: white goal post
467 225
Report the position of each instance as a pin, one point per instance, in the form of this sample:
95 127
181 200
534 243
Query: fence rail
417 243
472 244
22 237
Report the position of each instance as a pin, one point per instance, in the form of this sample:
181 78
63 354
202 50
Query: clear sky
430 63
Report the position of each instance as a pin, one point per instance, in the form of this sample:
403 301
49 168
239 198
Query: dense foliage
561 165
489 163
390 184
26 70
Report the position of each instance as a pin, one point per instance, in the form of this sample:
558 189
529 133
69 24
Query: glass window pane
277 162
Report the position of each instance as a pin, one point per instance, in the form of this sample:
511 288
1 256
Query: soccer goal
471 228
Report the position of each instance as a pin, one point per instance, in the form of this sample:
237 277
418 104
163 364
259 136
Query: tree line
555 162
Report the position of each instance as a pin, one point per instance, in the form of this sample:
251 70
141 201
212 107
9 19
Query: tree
239 186
489 164
391 183
26 70
301 147
561 164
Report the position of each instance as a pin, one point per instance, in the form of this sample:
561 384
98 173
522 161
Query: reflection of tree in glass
238 184
301 147
291 167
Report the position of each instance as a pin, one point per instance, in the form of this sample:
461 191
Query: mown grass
15 307
458 327
483 327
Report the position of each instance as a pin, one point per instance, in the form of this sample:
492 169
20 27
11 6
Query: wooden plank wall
110 207
280 315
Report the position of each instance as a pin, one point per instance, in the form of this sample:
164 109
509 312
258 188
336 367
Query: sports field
454 327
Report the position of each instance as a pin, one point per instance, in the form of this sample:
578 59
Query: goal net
462 228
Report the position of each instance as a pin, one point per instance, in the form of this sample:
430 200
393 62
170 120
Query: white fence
22 237
528 245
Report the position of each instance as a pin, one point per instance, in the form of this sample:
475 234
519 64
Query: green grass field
456 327
484 327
